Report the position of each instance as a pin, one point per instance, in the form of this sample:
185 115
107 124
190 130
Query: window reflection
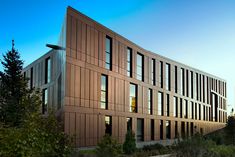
108 52
108 125
48 70
160 104
44 101
129 62
140 67
103 95
133 98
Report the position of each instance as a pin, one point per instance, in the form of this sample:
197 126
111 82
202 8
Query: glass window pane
103 83
107 45
139 66
103 96
107 60
133 98
159 103
103 105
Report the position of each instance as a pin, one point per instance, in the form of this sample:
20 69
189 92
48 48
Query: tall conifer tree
12 88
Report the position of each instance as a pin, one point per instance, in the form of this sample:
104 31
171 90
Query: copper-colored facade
74 88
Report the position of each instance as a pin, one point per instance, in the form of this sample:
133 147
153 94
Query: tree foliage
23 130
108 147
129 145
38 136
230 130
13 90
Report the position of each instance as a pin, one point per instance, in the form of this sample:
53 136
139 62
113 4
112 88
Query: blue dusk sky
199 33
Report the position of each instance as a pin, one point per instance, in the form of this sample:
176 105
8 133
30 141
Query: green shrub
153 147
195 146
108 147
223 151
39 136
157 149
199 146
129 145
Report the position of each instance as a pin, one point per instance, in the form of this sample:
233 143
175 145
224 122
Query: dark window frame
153 62
31 78
129 71
104 91
48 70
109 64
45 101
150 101
136 99
140 66
108 127
161 74
168 80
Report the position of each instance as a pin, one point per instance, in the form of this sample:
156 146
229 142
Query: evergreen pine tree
13 88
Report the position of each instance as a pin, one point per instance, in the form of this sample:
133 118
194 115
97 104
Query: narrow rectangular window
152 129
196 114
129 62
161 129
196 87
200 87
167 105
182 129
191 128
168 129
140 67
192 84
161 74
192 110
182 81
207 89
129 123
153 73
203 88
176 130
168 76
199 111
108 53
48 70
133 98
140 129
31 78
150 101
189 110
44 101
108 125
187 128
175 107
181 108
160 104
104 92
204 112
187 83
176 80
186 108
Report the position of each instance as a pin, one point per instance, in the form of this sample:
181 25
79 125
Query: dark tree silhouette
12 88
230 130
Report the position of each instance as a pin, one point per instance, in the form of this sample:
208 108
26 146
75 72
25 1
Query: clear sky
199 33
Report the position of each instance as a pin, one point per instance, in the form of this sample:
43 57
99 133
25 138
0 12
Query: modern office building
102 83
